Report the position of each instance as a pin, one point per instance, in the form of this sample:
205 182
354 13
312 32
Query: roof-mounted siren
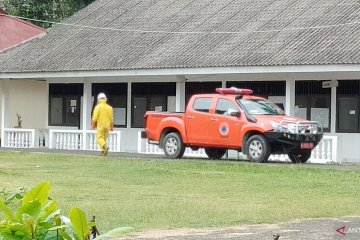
234 91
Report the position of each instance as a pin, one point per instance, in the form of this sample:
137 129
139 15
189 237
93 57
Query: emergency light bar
234 90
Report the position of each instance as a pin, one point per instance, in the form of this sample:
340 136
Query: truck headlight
276 126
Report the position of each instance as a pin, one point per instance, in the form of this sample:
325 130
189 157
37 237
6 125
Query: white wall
348 147
28 98
129 139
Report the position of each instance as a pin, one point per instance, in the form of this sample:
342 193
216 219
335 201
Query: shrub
32 215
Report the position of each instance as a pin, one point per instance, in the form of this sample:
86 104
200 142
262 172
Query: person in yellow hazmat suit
103 121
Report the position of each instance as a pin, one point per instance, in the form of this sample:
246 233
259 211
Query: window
312 102
64 104
223 105
116 94
348 106
260 107
261 88
150 97
192 88
202 104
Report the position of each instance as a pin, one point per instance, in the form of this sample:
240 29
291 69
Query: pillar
180 93
5 86
290 97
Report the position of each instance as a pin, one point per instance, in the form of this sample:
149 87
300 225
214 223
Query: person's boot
106 150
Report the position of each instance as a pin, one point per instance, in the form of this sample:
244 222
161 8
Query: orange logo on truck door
224 128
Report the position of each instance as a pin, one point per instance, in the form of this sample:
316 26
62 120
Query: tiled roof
152 34
15 31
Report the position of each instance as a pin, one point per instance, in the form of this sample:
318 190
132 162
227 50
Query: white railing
74 140
19 138
324 152
57 139
146 148
113 141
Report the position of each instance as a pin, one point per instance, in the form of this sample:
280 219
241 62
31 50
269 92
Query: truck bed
153 122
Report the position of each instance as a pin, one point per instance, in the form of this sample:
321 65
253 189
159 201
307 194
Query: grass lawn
160 193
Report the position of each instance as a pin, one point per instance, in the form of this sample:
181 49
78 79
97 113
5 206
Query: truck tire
257 149
215 153
173 145
300 156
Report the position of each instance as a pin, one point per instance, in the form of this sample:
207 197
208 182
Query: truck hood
277 118
284 123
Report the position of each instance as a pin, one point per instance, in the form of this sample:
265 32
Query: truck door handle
190 117
213 119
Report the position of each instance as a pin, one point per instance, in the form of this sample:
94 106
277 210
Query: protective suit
103 121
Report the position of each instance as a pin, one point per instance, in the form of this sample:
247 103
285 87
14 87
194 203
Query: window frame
197 99
225 100
349 89
66 92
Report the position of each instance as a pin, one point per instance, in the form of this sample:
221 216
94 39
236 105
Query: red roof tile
14 31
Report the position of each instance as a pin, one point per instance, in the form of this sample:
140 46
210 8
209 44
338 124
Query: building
14 31
152 55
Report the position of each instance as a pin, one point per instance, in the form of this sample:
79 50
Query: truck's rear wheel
215 153
300 156
173 145
257 149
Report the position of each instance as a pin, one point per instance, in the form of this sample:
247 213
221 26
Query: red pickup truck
233 119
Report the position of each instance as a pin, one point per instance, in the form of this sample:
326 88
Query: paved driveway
348 228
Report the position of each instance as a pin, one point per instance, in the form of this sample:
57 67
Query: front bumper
294 140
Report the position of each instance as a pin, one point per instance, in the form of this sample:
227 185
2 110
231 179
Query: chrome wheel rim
171 146
255 149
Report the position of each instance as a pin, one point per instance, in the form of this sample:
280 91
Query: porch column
4 108
223 84
128 108
333 108
290 97
180 94
87 105
86 110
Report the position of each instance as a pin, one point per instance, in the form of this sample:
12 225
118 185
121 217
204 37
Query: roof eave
187 71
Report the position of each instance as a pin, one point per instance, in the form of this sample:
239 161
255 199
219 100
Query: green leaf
117 232
47 211
40 193
14 231
7 211
53 216
57 227
79 222
30 223
32 208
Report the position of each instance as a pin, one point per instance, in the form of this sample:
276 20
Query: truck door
197 121
224 130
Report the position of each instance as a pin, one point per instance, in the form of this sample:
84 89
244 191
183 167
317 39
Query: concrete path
347 228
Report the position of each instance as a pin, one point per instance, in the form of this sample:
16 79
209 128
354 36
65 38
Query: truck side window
202 104
223 105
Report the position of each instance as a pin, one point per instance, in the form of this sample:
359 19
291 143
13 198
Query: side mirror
234 113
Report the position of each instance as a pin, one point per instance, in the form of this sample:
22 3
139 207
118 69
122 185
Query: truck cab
232 118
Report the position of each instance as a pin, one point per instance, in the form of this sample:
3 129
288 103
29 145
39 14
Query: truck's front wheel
215 153
257 149
300 156
173 145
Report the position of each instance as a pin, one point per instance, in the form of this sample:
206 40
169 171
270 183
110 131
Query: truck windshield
260 107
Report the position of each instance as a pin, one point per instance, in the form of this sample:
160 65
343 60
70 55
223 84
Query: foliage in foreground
33 215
